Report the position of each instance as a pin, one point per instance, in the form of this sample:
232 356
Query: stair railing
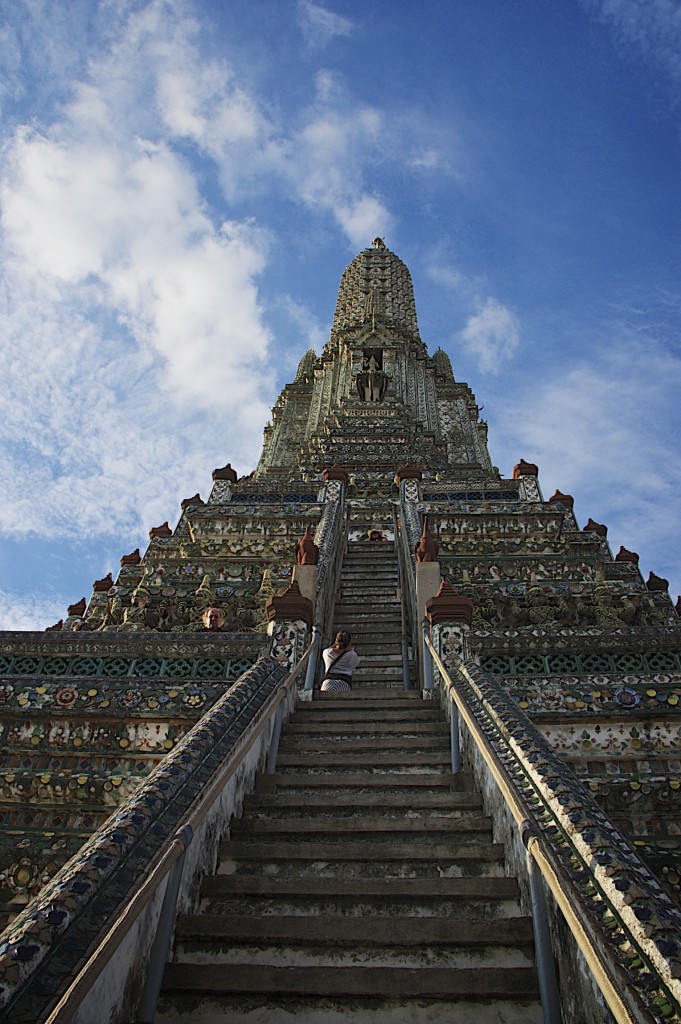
334 539
401 574
207 736
608 897
405 531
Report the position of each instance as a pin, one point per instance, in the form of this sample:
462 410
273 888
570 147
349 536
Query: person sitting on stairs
340 661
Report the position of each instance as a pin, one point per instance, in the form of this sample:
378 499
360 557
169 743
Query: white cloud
135 345
604 432
326 161
492 335
320 26
312 333
653 27
20 612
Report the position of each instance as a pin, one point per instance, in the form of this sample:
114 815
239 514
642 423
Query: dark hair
344 638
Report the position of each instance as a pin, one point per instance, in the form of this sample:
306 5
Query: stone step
179 1007
366 616
358 550
445 888
353 982
376 679
316 902
350 709
317 871
364 562
358 759
371 642
333 727
282 802
376 659
327 714
336 940
361 827
371 594
370 580
338 744
369 586
369 618
355 708
383 782
449 852
375 571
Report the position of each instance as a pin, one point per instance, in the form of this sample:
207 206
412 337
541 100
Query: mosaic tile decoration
39 951
638 925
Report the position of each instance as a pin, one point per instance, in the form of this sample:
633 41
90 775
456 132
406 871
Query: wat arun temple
486 828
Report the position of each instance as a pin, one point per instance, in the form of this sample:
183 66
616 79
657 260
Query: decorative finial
378 243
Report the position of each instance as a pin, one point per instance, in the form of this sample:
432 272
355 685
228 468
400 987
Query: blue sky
182 184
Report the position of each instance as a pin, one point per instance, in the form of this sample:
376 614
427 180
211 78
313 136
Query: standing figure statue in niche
372 382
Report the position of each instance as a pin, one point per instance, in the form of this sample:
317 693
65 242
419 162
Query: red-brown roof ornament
134 558
657 583
78 608
195 500
307 552
624 555
449 607
426 548
54 629
101 586
523 468
160 531
565 499
336 473
409 473
289 605
599 528
226 473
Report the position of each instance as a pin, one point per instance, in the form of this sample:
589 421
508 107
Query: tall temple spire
375 393
376 286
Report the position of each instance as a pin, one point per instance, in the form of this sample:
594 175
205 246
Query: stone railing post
528 475
289 621
450 616
223 479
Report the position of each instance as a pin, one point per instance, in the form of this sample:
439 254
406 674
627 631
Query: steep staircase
369 608
361 885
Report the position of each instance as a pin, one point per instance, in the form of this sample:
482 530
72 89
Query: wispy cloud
136 346
319 25
19 612
603 431
651 28
492 335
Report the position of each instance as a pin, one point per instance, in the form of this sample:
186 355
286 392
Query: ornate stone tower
374 436
375 398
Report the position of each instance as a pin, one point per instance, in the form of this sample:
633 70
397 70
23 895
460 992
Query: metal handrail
326 597
408 576
537 848
173 849
403 604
